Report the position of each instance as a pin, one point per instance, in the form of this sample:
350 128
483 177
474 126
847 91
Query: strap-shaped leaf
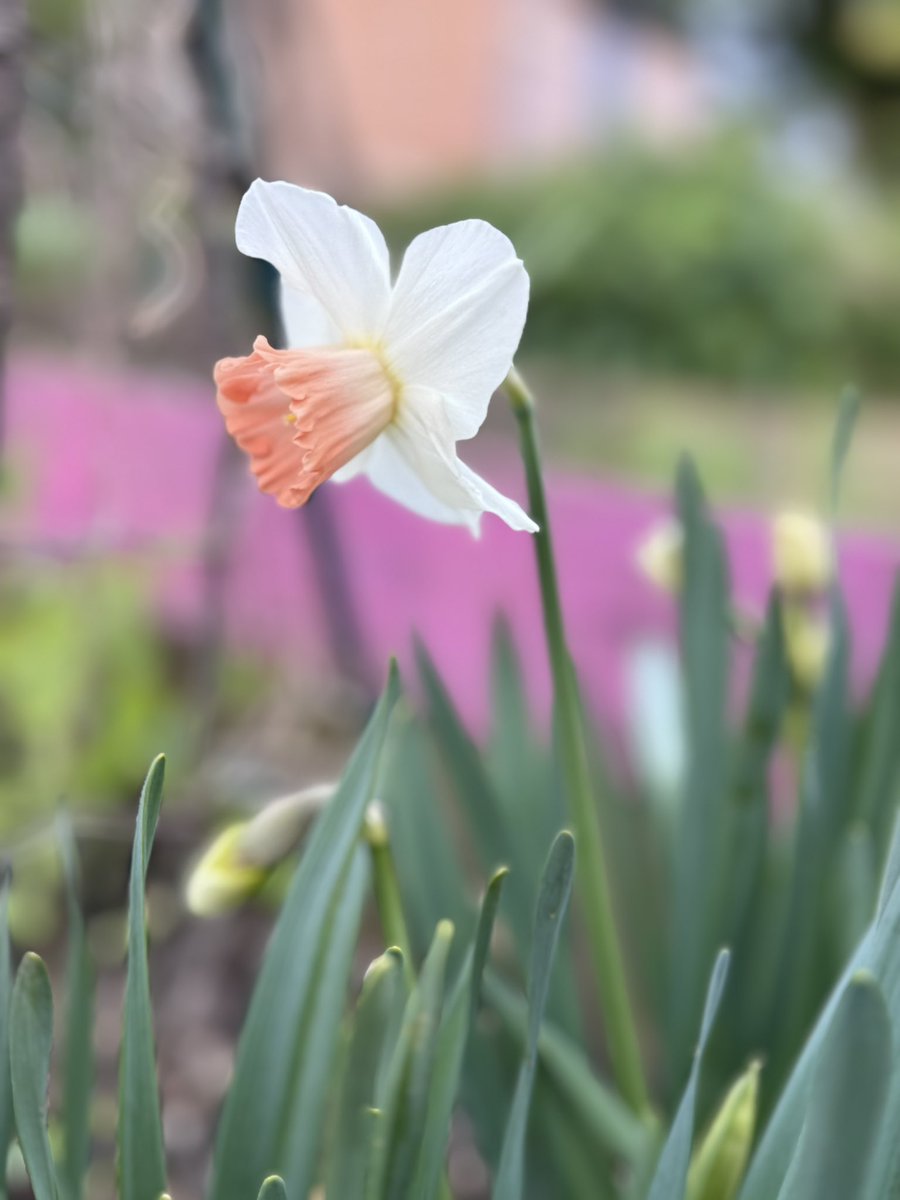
317 1040
431 885
852 891
408 1078
879 954
451 1044
608 1118
823 802
250 1135
141 1158
880 765
31 1039
670 1179
553 901
78 1069
846 1100
699 867
848 410
383 992
6 983
473 786
769 690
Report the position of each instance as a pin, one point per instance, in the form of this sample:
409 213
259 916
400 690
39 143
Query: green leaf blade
848 411
670 1179
699 868
249 1137
847 1098
408 1079
317 1041
382 992
553 901
31 1039
140 1153
78 1072
879 954
6 985
451 1044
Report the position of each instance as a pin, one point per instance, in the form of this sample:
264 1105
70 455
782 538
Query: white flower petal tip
379 380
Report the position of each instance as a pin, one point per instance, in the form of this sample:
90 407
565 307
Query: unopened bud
278 828
720 1160
807 640
802 555
222 880
660 555
375 827
240 859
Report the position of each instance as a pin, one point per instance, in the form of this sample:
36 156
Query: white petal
332 253
305 321
414 461
456 317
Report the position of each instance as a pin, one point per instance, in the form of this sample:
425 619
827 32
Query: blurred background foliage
705 271
702 263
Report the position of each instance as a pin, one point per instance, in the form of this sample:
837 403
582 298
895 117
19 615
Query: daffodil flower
381 378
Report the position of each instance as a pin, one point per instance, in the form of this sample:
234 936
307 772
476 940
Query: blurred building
402 94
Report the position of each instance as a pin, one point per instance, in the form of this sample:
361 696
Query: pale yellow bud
719 1162
660 555
221 880
375 829
241 857
802 554
278 828
807 640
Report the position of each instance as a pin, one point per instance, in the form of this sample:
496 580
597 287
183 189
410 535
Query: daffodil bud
807 640
719 1162
222 880
375 829
802 554
239 860
278 828
660 555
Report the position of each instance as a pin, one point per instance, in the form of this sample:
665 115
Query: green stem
390 908
592 876
387 889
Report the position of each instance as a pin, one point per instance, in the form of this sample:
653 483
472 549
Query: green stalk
387 889
591 877
390 907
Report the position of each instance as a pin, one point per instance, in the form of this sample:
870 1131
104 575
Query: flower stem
387 889
592 876
390 909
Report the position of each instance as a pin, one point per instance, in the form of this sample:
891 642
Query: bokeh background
707 198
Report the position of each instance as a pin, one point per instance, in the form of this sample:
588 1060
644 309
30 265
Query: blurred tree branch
230 162
12 39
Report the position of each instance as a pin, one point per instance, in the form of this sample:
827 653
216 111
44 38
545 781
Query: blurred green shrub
54 243
701 262
86 693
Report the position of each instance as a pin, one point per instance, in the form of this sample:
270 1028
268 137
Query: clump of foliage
702 263
772 1065
86 693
